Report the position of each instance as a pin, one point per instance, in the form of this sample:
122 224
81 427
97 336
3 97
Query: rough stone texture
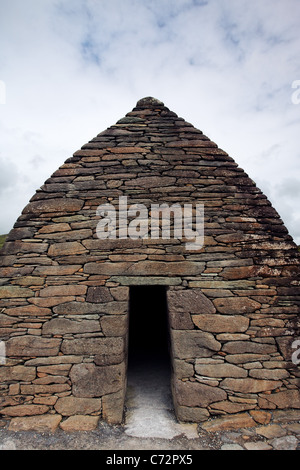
80 423
64 293
45 423
242 420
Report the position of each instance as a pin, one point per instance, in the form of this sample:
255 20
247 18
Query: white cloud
74 67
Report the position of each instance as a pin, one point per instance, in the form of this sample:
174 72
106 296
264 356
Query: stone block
92 346
228 423
90 381
146 280
45 389
116 325
17 373
194 394
220 370
284 400
249 385
221 323
80 423
241 347
44 423
8 292
32 346
99 294
53 205
69 406
62 326
25 410
58 270
191 414
190 300
28 311
113 407
236 305
66 249
193 344
65 290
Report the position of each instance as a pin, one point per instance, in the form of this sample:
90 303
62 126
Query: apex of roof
148 102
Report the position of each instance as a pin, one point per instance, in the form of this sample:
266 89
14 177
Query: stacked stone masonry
64 293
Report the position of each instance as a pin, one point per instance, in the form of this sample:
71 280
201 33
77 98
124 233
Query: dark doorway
148 326
148 405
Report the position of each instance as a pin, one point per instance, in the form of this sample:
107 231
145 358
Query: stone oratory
228 310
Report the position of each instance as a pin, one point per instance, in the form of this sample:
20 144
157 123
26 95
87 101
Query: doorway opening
148 327
149 405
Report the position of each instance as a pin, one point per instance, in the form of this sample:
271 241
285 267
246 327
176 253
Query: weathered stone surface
225 423
261 417
221 323
44 423
236 305
28 311
99 295
248 385
151 181
286 399
17 372
69 406
182 369
91 346
25 410
285 443
114 325
220 370
66 249
260 445
76 308
271 431
89 380
53 205
54 291
146 280
241 347
7 292
80 423
32 346
145 268
61 326
56 270
197 395
231 408
183 302
24 247
191 414
191 344
272 374
45 389
58 360
113 407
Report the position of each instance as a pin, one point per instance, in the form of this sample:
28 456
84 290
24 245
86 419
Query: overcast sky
71 68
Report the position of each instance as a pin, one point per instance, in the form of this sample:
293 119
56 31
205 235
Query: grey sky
74 67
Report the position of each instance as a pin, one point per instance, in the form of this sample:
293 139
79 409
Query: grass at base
2 240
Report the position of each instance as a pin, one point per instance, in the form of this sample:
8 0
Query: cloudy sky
71 68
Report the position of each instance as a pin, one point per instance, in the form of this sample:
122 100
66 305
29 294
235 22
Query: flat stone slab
44 423
150 409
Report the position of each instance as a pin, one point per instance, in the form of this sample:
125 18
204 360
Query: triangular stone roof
64 293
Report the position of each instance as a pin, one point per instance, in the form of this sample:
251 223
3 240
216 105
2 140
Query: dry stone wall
233 305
